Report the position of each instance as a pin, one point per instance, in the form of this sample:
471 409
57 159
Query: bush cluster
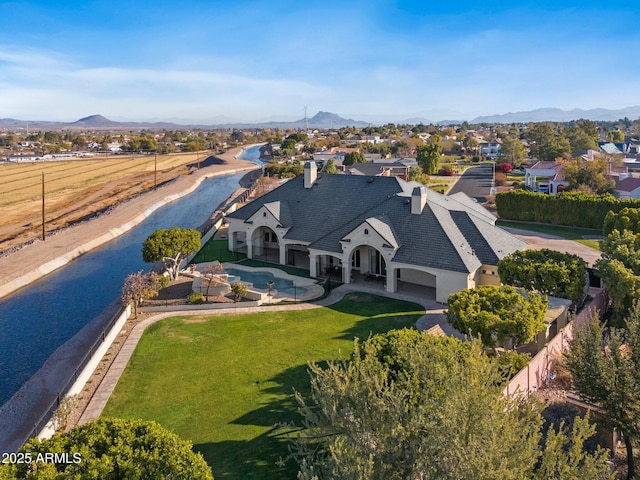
283 171
574 209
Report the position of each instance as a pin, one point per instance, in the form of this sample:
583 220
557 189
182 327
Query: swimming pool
261 280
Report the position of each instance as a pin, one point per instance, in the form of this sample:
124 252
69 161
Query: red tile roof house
545 177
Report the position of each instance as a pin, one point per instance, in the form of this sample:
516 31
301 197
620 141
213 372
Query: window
355 261
366 231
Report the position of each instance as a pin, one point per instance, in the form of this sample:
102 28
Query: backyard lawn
217 250
223 382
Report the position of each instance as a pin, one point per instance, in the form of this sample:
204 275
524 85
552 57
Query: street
475 182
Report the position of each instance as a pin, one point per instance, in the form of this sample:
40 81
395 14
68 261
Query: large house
546 177
374 228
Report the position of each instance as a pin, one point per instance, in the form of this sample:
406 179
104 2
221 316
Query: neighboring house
378 169
365 228
612 148
545 177
114 147
489 149
627 188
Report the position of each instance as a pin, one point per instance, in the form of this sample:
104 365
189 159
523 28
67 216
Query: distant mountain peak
94 120
331 120
550 114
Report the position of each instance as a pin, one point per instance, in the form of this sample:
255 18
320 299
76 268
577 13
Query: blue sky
214 61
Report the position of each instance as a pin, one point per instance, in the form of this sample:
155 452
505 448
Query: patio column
391 280
283 253
249 247
346 272
230 240
313 267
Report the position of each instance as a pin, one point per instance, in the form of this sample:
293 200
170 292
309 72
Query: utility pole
43 227
155 169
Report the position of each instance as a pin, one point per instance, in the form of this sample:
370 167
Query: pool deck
309 288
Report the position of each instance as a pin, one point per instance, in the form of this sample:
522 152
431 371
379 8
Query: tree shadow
381 314
261 456
278 412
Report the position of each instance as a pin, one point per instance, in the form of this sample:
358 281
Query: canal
40 318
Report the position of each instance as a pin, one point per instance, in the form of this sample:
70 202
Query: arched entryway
265 245
367 264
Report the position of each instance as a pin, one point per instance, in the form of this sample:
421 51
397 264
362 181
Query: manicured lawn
223 382
570 233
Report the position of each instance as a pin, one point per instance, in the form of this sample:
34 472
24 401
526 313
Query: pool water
261 280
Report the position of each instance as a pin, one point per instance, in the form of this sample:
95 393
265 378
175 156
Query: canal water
38 319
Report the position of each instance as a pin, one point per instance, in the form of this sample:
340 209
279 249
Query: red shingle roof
628 184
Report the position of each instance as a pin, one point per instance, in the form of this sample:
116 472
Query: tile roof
629 184
452 233
544 166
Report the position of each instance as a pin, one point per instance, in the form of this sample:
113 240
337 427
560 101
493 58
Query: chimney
418 200
310 174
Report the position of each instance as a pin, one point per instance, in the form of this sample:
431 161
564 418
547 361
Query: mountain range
324 120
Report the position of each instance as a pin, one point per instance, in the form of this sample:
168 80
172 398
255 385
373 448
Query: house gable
375 232
274 215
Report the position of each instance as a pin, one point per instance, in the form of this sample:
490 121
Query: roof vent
370 180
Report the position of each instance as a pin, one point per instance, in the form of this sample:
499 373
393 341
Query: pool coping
311 288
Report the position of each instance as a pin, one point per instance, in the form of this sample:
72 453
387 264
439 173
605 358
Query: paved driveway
539 241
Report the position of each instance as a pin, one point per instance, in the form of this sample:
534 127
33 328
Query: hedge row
572 209
282 171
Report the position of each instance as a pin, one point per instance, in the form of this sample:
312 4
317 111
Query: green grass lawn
570 233
217 250
223 382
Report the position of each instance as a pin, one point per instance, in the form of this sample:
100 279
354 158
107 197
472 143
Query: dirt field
129 196
78 189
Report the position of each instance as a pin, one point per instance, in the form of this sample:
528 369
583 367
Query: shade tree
171 246
428 157
605 368
546 272
354 157
619 265
110 449
497 314
410 405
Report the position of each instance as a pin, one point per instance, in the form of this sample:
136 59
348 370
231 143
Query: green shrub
283 171
511 362
239 289
196 298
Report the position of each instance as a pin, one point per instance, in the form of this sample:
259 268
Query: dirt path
39 258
